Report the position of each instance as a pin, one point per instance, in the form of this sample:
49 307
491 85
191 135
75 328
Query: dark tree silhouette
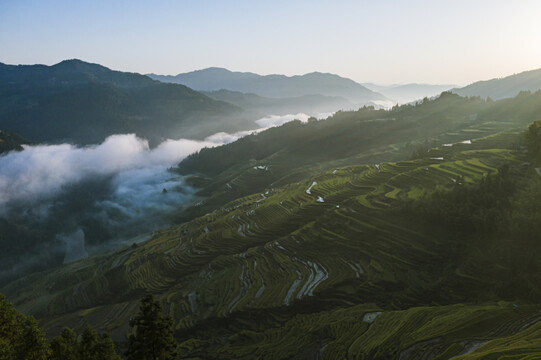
64 346
20 337
152 337
89 346
533 139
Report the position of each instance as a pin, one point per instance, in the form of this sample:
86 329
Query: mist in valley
60 203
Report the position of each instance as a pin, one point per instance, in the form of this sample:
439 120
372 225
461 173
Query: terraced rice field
366 332
272 248
323 264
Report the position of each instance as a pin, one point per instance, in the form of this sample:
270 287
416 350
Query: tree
65 346
90 346
10 329
533 139
152 337
20 337
33 345
105 349
88 343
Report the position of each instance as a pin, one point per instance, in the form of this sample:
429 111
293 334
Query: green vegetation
285 254
153 333
21 339
326 253
9 142
506 87
533 140
84 103
296 151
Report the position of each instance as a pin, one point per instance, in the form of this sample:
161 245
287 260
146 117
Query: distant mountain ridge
275 86
84 103
506 87
405 93
70 72
307 104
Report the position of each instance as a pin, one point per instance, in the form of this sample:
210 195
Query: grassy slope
280 257
296 151
279 274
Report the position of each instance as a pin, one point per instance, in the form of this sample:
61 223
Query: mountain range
84 103
275 86
405 93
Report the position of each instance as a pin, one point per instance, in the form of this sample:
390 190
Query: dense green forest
151 337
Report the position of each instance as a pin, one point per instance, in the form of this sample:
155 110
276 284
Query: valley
358 249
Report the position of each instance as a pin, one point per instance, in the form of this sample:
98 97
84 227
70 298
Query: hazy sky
435 41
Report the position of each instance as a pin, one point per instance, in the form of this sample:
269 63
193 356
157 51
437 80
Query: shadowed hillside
307 104
84 103
295 151
506 87
268 272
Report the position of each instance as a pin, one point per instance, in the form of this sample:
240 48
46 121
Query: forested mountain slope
84 103
506 87
295 151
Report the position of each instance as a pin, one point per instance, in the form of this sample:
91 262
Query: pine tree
10 329
89 346
33 344
64 346
152 337
88 343
105 350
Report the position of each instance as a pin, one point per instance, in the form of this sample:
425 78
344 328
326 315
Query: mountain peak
77 64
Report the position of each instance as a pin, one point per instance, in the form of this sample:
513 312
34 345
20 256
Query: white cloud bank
38 183
40 172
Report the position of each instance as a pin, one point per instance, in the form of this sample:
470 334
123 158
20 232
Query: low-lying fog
82 200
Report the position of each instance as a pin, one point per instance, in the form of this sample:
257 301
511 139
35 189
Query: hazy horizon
385 43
